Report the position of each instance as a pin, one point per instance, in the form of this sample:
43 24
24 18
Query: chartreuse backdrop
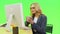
51 8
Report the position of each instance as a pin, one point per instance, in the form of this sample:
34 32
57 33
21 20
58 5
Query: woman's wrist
32 22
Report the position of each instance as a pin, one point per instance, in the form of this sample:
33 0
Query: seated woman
38 20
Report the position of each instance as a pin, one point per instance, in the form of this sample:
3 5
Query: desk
21 31
25 31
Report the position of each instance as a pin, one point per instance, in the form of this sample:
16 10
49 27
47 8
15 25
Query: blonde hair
37 7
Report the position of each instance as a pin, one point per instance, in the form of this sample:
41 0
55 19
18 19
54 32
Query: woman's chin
33 12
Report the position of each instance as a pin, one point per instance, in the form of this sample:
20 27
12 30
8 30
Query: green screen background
51 8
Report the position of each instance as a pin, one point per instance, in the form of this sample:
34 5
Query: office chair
49 28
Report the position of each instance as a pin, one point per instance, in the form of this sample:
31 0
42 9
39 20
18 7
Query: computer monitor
14 14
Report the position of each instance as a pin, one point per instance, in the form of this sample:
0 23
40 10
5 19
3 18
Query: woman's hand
30 20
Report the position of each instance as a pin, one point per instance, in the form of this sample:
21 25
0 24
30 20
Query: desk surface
21 31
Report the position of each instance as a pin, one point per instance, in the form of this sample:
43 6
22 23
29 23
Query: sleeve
27 24
40 28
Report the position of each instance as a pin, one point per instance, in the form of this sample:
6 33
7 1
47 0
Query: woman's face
33 10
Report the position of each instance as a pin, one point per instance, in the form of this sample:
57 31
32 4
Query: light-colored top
35 19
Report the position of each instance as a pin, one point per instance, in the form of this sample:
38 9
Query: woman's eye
32 8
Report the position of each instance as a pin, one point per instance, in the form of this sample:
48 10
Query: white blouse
35 19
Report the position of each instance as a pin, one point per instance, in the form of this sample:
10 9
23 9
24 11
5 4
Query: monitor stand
14 21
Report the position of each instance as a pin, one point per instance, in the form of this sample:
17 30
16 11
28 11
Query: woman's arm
40 28
27 24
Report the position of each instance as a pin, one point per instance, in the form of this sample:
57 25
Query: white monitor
14 14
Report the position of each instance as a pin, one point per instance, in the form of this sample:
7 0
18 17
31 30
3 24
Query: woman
38 20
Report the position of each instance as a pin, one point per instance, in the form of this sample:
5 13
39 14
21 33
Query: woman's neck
37 15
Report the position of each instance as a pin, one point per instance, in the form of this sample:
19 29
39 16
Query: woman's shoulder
44 16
